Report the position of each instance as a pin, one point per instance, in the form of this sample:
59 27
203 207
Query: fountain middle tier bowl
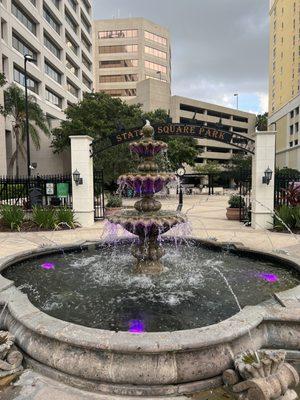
147 224
147 148
146 184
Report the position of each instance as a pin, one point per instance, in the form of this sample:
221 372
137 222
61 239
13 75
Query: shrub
236 201
287 216
65 216
292 194
45 218
12 216
113 201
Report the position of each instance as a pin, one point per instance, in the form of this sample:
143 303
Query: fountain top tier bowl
146 146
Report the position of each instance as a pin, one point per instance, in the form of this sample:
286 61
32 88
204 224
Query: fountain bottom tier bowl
148 226
90 321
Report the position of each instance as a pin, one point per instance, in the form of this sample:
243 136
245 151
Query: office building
58 35
128 51
284 80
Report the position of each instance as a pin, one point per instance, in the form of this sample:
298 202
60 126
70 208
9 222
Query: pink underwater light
47 266
136 326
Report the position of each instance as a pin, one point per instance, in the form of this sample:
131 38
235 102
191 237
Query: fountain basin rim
225 331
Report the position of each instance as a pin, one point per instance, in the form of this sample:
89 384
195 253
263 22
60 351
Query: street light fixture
266 179
237 100
180 173
27 58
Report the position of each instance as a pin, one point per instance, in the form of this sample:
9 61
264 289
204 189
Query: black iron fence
98 195
52 190
285 184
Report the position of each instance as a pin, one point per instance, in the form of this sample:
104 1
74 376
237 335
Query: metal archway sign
162 131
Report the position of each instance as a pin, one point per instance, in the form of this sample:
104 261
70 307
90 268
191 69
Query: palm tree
14 107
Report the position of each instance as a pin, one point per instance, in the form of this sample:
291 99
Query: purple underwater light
268 277
48 266
136 326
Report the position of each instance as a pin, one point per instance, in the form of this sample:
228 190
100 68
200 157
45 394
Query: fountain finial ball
148 130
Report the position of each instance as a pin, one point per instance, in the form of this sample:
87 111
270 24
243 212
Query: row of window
294 143
118 78
30 24
212 113
128 48
118 63
131 33
294 112
155 67
120 92
155 52
294 128
73 4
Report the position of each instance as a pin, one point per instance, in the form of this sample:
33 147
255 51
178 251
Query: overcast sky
219 47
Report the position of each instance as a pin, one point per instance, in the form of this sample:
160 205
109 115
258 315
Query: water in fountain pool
97 288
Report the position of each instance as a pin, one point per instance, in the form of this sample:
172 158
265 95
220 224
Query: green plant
287 216
12 216
114 201
65 216
44 218
236 201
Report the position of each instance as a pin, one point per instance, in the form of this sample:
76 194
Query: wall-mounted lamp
268 176
76 177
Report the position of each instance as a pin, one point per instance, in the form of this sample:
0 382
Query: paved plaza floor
207 215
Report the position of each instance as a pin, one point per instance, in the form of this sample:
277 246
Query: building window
120 92
23 18
85 42
155 38
125 33
86 81
19 77
71 22
53 98
118 63
22 47
72 89
130 48
56 3
155 67
85 22
87 6
51 20
296 127
52 46
118 78
73 4
52 72
291 144
86 62
297 111
155 52
71 45
292 114
71 66
291 129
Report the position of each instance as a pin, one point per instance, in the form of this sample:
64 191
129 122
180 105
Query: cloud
219 47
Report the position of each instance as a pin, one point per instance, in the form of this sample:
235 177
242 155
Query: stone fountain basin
151 364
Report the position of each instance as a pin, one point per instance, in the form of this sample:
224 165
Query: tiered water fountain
148 222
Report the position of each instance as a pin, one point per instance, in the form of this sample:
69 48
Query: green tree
2 79
14 107
98 115
240 167
211 167
262 122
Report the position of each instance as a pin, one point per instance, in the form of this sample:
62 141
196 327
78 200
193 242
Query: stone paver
207 215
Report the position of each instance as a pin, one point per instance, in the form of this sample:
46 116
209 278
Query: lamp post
27 58
180 173
237 100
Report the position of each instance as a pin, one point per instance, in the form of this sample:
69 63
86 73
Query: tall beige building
284 80
127 51
58 35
